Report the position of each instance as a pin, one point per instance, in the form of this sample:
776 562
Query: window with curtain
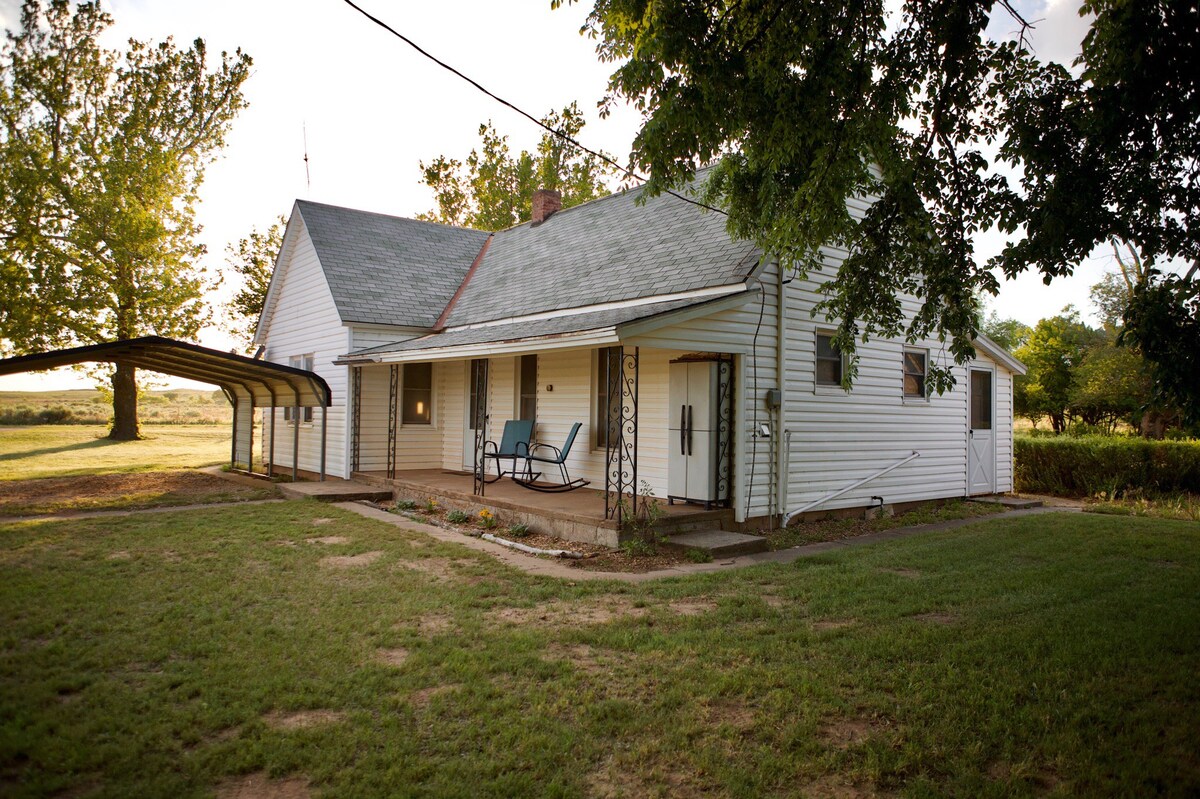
416 403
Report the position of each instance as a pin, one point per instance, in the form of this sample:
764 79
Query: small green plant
518 530
699 556
404 504
431 505
486 519
642 527
458 517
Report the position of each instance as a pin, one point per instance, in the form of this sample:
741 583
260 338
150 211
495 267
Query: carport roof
270 384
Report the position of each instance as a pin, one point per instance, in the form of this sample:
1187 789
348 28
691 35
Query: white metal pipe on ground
557 553
834 495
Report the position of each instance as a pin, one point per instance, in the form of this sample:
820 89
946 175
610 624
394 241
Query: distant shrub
1115 465
24 415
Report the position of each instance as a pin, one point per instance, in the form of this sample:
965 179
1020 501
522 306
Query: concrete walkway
554 568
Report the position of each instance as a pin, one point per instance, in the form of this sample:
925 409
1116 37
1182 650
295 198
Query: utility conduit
788 517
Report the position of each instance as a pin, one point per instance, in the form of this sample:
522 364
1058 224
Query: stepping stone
1012 503
719 543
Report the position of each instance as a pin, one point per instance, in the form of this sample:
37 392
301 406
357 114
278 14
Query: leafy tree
1113 294
1163 322
806 104
254 259
1111 385
101 156
493 189
1010 334
1055 350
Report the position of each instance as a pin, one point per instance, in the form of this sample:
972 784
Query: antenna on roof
307 176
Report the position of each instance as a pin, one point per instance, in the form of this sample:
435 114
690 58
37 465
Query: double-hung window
916 364
416 404
829 361
304 362
608 383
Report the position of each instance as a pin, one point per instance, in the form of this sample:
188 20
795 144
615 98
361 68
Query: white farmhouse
694 368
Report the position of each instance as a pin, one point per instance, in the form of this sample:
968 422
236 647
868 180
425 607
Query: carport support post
324 437
271 447
296 444
233 445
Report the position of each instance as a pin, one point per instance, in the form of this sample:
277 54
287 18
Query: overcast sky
372 108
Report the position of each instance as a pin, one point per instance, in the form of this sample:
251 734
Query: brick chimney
545 203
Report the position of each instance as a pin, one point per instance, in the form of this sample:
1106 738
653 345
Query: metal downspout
781 488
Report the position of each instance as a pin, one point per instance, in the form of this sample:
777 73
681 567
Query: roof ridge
394 216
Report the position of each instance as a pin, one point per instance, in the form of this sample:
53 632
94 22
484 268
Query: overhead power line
560 134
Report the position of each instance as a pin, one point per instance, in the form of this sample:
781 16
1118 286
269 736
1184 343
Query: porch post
296 440
271 447
621 439
355 418
393 399
324 437
233 446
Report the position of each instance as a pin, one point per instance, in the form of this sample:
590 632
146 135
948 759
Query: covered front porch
574 516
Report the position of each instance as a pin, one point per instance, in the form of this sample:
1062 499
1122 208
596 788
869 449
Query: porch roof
588 328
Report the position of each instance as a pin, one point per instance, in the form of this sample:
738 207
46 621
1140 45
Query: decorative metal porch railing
621 440
393 418
355 418
479 416
725 428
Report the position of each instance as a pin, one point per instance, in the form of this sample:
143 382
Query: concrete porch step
719 543
335 491
1013 503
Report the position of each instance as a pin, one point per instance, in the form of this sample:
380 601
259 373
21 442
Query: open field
295 649
88 406
66 450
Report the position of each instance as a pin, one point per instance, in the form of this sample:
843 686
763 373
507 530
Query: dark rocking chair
514 445
559 459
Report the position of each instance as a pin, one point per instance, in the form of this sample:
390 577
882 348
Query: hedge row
1087 465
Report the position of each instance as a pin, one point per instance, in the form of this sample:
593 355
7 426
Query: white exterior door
476 394
981 433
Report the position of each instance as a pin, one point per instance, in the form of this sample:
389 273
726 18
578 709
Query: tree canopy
253 258
101 157
492 189
804 104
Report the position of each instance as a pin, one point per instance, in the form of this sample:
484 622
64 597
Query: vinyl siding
305 320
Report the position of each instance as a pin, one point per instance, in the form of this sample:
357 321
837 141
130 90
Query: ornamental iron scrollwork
725 429
393 418
356 418
620 371
478 390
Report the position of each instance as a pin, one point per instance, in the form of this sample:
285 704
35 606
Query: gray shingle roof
387 269
558 325
607 250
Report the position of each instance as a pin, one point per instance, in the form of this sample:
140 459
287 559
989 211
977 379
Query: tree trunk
125 419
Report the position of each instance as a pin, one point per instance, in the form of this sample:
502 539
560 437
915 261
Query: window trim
819 385
904 373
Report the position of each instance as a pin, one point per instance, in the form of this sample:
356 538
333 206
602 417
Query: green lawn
166 655
66 450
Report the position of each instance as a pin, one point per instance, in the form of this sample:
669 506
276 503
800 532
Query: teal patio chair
559 459
513 446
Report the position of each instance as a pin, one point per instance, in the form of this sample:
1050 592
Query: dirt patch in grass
618 560
831 786
351 561
844 733
120 554
692 607
612 779
598 610
260 786
321 522
392 657
329 539
429 624
773 601
731 713
581 656
302 719
831 529
120 492
422 698
438 568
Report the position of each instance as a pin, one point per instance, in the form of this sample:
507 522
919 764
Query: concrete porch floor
574 515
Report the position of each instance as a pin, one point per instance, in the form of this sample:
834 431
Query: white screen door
981 434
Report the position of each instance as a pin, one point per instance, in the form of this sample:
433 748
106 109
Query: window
304 362
914 373
527 388
981 400
417 394
608 381
477 403
829 361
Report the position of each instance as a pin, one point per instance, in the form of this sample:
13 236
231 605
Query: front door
476 408
981 435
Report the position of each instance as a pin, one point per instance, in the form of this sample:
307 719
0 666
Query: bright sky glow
373 109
